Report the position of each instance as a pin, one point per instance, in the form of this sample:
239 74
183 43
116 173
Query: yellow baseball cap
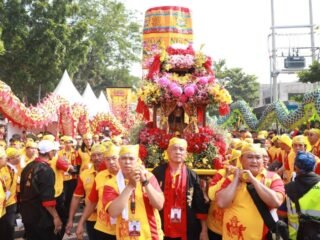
98 148
178 141
299 139
12 152
49 137
315 131
129 149
284 138
87 136
250 147
113 150
31 144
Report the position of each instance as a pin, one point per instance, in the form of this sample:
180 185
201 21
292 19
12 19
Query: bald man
185 211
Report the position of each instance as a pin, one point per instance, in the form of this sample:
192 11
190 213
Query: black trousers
214 236
8 221
68 189
63 214
92 233
33 232
104 236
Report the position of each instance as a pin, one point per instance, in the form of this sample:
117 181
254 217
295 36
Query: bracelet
145 183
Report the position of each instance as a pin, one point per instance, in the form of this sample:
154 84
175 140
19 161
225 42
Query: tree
1 44
41 38
115 44
241 86
310 75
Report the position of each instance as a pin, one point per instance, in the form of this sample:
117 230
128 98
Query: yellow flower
200 59
183 80
205 160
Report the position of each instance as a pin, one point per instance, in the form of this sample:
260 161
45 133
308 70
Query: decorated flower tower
178 85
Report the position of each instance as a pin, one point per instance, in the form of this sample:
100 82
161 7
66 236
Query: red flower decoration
208 65
143 153
224 109
179 51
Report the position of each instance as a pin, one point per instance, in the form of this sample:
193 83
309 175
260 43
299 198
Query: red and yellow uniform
236 224
2 199
59 167
84 158
84 186
149 218
71 158
273 152
215 214
24 158
288 166
9 177
316 149
281 155
104 222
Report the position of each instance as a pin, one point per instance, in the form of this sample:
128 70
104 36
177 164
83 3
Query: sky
237 30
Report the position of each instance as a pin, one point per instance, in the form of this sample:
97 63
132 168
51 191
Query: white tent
104 105
67 90
91 101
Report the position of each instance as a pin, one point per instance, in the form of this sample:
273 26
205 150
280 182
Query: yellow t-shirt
58 185
273 152
10 177
104 222
242 219
2 200
25 160
84 186
287 173
85 159
70 157
215 214
145 214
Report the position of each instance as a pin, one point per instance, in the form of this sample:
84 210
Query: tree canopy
241 86
93 39
310 75
115 40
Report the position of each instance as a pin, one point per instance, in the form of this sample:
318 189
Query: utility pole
313 50
274 73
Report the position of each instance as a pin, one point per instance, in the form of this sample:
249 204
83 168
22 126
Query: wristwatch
145 183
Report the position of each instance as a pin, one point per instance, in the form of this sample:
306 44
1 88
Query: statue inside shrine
176 121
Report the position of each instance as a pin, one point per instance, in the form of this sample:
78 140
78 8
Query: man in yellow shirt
83 188
3 161
237 202
31 152
215 214
69 154
10 177
104 227
134 198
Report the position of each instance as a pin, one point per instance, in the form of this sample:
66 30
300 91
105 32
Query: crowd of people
266 186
